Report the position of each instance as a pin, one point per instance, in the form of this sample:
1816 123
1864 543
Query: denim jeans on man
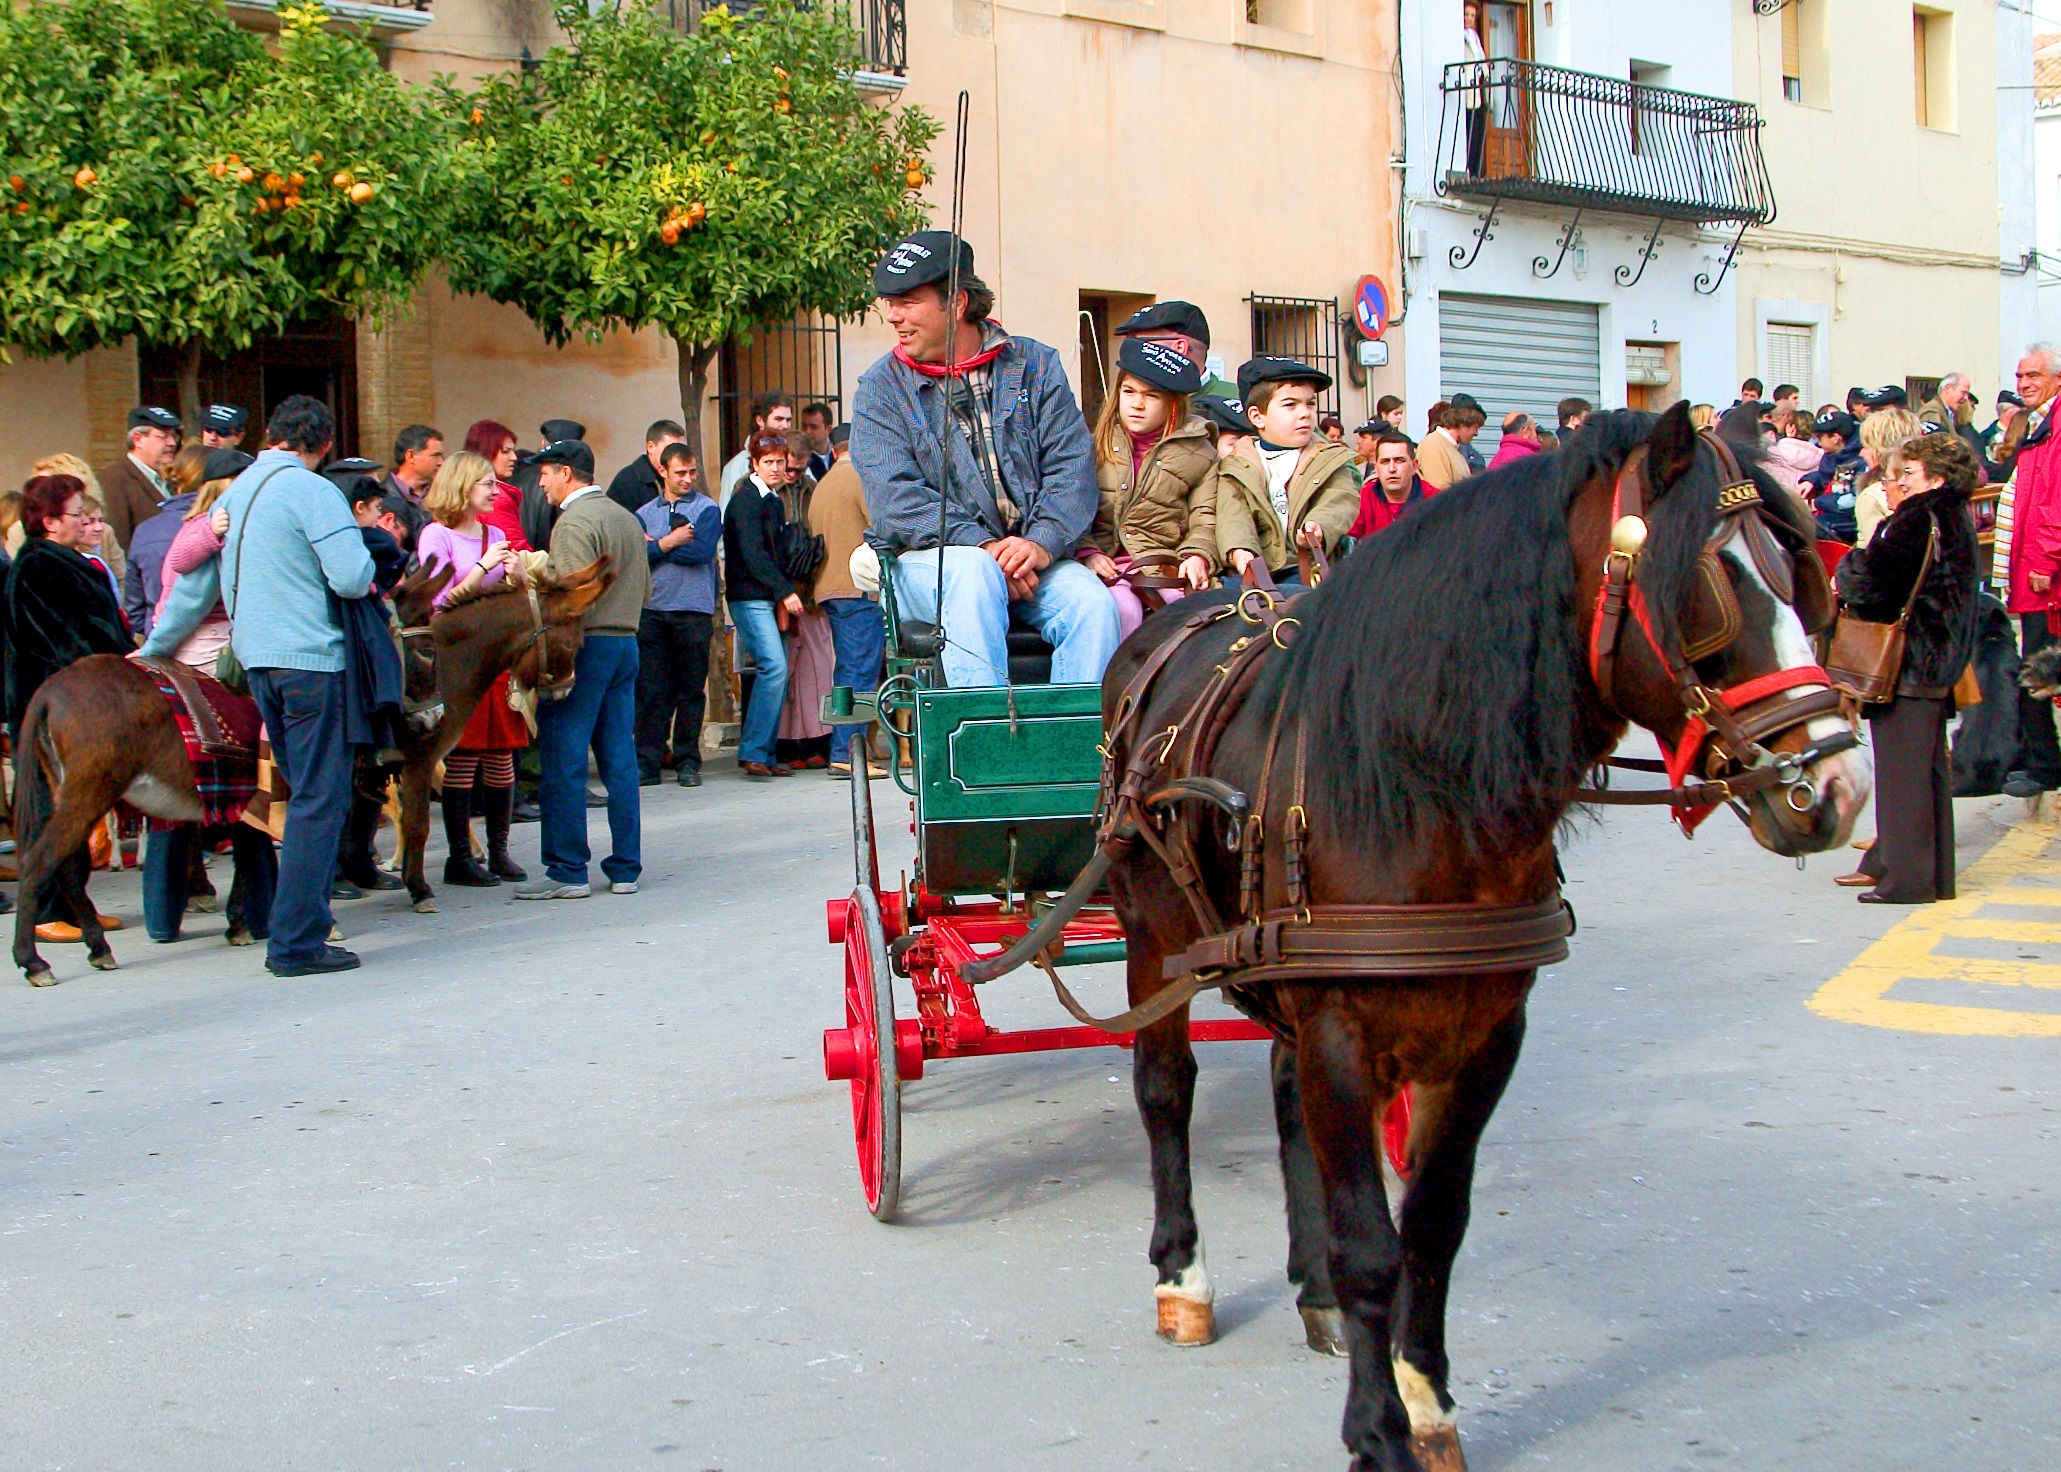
601 712
303 711
759 632
1070 608
859 638
167 860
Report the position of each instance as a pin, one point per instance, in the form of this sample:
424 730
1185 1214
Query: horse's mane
489 590
1441 668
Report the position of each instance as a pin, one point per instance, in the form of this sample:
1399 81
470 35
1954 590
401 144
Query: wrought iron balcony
882 27
1516 130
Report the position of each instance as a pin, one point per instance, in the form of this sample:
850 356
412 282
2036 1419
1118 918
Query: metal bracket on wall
1538 263
1766 8
1625 275
1706 284
1459 257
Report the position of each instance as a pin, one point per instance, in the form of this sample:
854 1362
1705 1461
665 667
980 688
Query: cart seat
1030 657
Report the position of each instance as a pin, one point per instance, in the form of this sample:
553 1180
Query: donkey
1432 716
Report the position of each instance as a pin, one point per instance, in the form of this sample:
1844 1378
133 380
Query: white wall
2025 204
2045 191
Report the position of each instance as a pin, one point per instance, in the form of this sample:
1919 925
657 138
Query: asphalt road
562 1187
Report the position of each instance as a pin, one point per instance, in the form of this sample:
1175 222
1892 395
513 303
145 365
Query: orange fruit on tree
780 72
294 181
696 213
314 160
245 174
669 232
234 160
18 184
341 178
479 116
273 183
361 193
914 178
783 106
85 178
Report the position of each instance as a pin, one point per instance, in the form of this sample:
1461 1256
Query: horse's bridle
1727 726
546 686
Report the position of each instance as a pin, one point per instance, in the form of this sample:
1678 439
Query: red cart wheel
869 1011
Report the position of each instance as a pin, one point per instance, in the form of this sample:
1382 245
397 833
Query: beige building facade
1234 153
1886 263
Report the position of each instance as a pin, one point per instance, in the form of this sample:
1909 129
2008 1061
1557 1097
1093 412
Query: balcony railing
1521 131
882 27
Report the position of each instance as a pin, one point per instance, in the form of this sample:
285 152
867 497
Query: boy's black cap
149 416
1256 371
572 454
1182 317
225 418
1160 364
223 465
358 489
840 434
1838 423
919 260
1225 414
356 465
1885 397
562 429
2005 396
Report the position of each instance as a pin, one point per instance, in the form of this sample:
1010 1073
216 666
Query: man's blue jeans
860 639
1071 609
759 632
303 711
600 711
165 862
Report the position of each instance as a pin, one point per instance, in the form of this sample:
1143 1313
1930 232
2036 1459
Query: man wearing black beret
222 426
1013 487
134 486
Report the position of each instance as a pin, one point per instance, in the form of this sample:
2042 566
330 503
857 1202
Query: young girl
484 759
1158 475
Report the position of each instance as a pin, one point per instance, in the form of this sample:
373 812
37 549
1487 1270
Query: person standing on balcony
1474 98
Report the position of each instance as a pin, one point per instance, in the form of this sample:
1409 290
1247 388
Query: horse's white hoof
425 907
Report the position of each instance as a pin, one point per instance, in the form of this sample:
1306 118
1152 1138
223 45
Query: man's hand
2039 582
1195 568
678 536
1019 558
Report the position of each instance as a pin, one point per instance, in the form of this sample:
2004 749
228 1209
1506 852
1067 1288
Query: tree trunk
695 358
189 388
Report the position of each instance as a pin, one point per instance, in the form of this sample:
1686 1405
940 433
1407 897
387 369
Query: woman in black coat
59 606
1912 862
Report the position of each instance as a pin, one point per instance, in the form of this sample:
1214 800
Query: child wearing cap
1291 488
1157 473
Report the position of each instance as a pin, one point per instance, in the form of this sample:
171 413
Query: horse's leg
1342 1106
1309 1236
415 779
1163 1079
1446 1127
72 874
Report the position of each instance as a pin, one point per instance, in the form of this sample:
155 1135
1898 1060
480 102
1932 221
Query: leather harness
1151 777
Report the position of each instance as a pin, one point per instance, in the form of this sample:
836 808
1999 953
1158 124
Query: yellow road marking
1860 993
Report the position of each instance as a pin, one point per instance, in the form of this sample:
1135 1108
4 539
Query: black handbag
797 551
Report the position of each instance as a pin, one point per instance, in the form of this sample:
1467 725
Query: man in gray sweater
601 709
291 544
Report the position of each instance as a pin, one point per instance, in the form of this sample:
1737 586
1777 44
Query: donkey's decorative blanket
221 731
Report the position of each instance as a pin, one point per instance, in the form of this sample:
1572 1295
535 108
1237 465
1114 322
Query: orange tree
705 184
170 178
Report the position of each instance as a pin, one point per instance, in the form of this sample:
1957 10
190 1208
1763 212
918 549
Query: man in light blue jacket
291 544
1022 484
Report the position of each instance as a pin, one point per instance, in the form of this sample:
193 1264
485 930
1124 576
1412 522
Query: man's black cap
1159 364
149 416
1374 426
923 258
350 467
1464 401
1889 396
1256 371
841 434
1225 414
1183 317
2005 396
562 429
1843 425
358 489
225 418
572 454
223 465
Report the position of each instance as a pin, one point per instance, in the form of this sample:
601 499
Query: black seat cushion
1030 657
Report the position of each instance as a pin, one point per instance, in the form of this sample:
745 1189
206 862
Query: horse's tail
34 755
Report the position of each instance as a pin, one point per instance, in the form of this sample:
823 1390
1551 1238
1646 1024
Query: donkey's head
557 603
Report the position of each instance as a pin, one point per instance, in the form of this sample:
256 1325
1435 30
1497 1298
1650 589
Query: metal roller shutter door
1513 353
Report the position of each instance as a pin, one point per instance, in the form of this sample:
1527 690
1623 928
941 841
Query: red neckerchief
960 369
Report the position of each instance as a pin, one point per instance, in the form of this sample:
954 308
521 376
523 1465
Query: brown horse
100 732
1416 731
529 629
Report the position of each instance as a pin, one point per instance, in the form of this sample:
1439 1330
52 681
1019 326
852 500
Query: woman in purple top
484 758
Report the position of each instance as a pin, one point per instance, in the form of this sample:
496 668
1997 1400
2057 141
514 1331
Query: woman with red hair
494 441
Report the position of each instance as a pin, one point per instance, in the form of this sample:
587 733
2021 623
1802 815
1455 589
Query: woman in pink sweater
198 540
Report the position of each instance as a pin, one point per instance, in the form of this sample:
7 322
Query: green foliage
705 184
165 102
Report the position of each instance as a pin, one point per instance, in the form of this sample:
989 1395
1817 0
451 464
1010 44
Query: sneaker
622 886
2025 785
548 888
329 958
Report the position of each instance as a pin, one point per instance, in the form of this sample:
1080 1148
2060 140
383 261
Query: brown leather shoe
1855 880
782 769
758 770
58 932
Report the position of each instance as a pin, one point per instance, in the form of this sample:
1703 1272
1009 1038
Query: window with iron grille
882 26
804 358
1302 328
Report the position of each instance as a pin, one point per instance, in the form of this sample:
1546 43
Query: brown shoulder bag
1866 660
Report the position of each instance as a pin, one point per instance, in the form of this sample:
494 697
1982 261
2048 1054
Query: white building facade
1569 201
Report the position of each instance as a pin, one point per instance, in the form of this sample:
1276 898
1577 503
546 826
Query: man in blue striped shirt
683 531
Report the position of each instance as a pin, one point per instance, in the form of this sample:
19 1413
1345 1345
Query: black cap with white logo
923 258
1228 415
225 418
149 416
573 454
1159 365
1183 317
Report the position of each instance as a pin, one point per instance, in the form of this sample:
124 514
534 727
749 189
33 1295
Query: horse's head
1703 592
546 661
